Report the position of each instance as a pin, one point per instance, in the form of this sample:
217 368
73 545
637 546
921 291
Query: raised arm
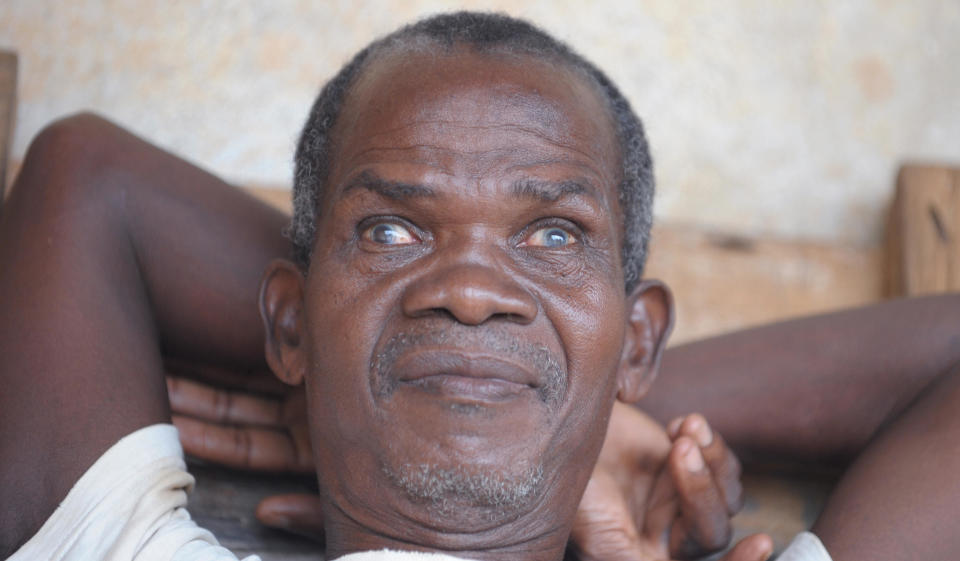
814 389
107 246
881 384
901 497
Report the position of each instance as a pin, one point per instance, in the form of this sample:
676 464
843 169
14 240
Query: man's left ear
649 323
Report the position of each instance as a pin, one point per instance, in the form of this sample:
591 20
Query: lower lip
469 388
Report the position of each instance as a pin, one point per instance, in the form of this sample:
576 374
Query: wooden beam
723 283
8 106
923 235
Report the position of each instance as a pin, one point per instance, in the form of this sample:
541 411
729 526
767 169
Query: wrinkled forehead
477 102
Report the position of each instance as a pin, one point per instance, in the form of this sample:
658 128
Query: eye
389 233
550 236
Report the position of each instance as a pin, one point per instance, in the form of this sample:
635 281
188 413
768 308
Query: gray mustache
545 365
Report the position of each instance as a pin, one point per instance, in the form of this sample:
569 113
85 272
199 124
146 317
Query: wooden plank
224 501
923 238
781 504
723 283
8 106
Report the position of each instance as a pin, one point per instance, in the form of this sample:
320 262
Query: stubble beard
551 373
444 489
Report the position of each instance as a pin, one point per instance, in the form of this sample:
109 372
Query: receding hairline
482 32
428 46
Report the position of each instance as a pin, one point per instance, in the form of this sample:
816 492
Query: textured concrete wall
785 118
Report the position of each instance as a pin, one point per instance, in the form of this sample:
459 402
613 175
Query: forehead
476 110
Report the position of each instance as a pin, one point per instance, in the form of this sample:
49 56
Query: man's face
464 312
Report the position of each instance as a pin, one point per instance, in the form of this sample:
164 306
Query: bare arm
901 498
108 248
814 389
881 384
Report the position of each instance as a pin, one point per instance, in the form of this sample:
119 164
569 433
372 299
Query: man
462 328
465 411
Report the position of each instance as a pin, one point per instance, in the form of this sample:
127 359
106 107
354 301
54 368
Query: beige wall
785 118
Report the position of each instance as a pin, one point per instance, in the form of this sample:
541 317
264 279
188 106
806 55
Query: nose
472 293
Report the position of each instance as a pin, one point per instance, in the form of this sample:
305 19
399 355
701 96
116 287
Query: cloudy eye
389 233
551 237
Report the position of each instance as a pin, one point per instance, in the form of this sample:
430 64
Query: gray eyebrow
552 191
396 190
538 189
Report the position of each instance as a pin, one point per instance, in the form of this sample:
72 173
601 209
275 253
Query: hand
656 495
250 422
264 431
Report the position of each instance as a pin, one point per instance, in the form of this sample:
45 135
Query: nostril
470 295
435 312
442 313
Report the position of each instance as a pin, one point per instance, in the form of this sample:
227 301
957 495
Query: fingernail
703 433
765 548
693 460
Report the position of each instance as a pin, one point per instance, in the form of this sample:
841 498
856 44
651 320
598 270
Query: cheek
345 315
592 326
347 306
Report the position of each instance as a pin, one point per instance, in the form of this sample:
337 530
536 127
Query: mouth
465 377
468 366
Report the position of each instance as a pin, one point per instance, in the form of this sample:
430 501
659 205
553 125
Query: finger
253 380
757 547
704 525
221 406
298 513
245 447
673 427
719 458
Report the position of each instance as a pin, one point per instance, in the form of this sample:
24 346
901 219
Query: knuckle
241 444
221 405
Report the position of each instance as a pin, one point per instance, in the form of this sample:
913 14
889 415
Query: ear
649 323
281 308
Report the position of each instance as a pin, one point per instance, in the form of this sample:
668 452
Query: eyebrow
396 190
552 191
538 189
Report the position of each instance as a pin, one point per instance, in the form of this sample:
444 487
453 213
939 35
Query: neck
532 537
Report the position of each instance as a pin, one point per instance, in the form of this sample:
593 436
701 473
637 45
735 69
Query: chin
456 493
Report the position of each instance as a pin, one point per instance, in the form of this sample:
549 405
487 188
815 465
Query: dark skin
83 367
856 389
90 305
430 224
832 389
